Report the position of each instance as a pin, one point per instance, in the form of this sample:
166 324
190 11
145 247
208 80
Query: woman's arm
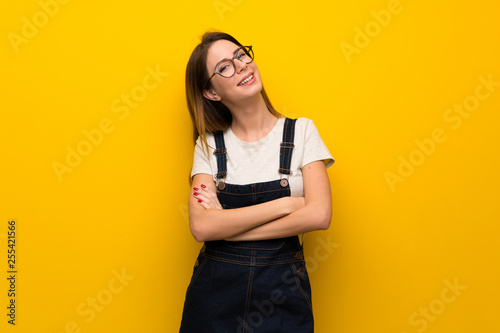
315 215
215 224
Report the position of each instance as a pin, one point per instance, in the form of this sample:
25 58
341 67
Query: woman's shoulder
205 149
208 136
303 121
304 125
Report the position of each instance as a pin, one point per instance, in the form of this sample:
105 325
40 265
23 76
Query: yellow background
122 208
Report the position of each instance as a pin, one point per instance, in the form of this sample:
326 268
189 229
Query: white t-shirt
258 161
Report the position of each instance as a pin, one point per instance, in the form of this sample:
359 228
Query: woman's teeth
246 80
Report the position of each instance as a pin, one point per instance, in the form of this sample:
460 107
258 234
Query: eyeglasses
227 67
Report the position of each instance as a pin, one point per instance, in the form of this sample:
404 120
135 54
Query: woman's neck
253 121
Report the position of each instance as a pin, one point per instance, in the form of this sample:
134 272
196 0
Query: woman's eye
222 68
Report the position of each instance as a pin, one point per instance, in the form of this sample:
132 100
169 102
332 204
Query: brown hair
207 115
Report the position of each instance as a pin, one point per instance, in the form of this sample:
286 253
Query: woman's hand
206 198
209 200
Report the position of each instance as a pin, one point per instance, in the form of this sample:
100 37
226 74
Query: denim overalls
250 286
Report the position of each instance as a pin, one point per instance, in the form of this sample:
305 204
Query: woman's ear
211 95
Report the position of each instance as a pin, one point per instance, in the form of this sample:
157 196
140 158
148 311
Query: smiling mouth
250 77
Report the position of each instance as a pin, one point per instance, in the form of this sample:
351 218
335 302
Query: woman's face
231 89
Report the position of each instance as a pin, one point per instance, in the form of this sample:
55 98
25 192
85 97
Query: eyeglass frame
234 65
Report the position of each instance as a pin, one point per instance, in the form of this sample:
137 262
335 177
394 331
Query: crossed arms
283 217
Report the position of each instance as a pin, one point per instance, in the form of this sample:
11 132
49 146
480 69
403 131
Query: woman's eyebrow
234 52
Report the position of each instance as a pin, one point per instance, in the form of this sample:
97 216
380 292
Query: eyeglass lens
226 67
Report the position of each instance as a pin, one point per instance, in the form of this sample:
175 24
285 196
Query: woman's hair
207 115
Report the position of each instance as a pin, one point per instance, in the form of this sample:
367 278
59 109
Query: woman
259 180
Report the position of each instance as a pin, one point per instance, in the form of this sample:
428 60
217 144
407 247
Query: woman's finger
201 196
204 204
208 198
208 202
212 194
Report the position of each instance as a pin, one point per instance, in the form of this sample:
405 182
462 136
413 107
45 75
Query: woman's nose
240 66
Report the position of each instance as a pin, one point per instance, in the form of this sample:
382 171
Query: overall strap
221 155
287 146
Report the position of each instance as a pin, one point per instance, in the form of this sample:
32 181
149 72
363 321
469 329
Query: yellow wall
398 89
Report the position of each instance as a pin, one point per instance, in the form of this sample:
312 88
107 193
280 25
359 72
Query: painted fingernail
195 194
196 189
203 186
199 201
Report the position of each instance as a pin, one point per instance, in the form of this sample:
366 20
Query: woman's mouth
247 80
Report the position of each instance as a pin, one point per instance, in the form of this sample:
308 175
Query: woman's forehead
219 50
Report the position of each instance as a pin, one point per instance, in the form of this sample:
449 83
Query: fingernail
203 186
199 201
196 189
195 194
